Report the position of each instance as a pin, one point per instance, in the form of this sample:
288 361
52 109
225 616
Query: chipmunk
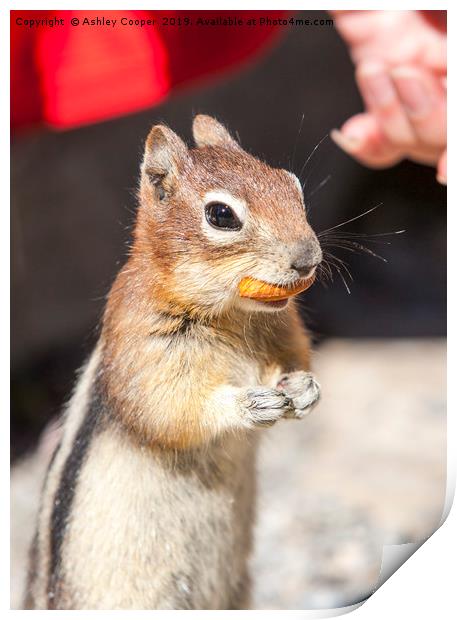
149 498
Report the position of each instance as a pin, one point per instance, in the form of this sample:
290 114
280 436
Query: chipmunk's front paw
303 389
264 406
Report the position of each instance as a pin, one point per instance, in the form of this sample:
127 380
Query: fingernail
441 179
377 86
412 92
346 142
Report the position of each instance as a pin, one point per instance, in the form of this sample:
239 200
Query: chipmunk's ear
165 155
208 131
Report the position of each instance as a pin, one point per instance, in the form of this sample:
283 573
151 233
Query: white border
422 587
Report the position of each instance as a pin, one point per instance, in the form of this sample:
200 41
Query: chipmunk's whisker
352 219
324 274
341 276
368 236
320 186
341 263
308 159
296 141
331 261
354 247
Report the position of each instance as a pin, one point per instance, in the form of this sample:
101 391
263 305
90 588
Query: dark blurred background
73 207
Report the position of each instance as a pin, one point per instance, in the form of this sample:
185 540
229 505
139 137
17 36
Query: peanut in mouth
264 291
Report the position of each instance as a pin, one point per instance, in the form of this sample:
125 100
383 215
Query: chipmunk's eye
222 216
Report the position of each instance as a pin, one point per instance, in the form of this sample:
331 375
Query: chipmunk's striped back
129 527
59 488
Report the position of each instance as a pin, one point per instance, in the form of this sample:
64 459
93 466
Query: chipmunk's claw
304 391
265 406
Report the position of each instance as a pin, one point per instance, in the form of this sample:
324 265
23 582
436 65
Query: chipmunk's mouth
258 290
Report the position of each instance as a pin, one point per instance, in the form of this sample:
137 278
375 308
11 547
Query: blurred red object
438 19
67 75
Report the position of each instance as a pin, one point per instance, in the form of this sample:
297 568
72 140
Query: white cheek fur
238 206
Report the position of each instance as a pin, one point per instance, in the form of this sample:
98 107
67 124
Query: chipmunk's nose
305 256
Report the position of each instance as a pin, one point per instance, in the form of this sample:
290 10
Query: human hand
394 38
402 81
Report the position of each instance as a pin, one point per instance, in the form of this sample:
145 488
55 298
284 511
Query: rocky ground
367 468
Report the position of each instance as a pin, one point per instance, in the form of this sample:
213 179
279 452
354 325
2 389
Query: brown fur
149 298
162 508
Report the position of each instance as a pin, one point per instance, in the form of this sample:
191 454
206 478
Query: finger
441 175
435 57
424 101
361 137
357 26
381 99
